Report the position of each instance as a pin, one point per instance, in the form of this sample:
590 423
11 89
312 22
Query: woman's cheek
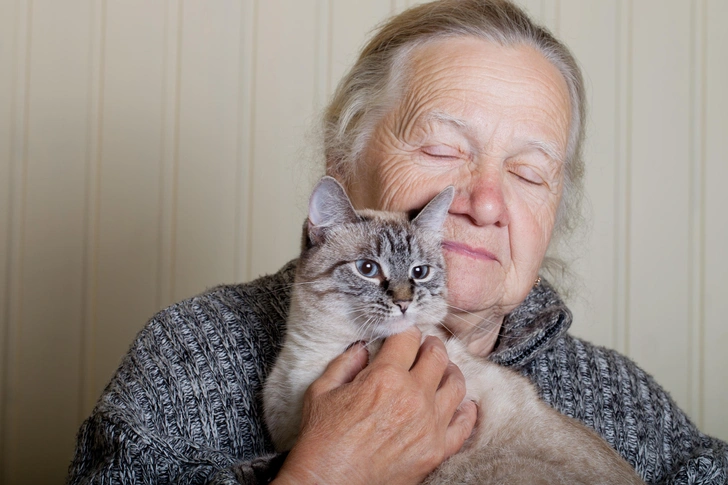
536 203
407 185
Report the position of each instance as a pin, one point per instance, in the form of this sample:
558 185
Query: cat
365 275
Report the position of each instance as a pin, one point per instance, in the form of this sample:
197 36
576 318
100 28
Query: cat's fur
518 439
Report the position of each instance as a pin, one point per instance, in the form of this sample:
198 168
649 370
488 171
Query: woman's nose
482 199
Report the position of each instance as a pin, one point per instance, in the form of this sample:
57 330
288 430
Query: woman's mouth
464 249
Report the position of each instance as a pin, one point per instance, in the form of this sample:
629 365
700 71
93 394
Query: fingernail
359 342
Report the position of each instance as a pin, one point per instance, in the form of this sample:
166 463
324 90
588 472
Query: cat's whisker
363 329
375 320
358 311
493 325
483 329
462 310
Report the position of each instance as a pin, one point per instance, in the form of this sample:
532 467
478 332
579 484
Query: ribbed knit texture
184 406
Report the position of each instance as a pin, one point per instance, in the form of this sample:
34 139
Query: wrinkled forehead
470 85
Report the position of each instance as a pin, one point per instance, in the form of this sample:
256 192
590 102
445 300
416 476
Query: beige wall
152 148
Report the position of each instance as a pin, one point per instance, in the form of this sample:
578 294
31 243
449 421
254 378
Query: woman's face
492 121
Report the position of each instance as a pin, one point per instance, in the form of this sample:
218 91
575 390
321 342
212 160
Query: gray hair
370 88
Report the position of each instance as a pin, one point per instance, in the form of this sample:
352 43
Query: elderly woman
468 93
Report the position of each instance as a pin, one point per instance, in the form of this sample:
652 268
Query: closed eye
527 174
441 151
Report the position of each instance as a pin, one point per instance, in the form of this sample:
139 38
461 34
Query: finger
460 428
451 391
431 364
400 349
342 370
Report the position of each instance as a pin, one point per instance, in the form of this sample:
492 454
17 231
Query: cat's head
383 270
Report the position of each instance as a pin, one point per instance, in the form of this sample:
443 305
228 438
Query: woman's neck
479 332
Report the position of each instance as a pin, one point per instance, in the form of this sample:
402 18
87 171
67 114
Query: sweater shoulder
572 370
611 394
194 371
263 300
255 312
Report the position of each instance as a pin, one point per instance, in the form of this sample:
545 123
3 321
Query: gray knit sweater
184 406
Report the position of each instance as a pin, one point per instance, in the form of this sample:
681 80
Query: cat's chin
393 326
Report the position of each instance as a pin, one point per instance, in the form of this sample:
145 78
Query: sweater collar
532 327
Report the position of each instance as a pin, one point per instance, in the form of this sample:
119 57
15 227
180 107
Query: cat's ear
433 216
329 205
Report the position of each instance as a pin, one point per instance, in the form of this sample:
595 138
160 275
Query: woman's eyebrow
461 126
549 149
447 118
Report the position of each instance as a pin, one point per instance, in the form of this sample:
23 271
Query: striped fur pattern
335 303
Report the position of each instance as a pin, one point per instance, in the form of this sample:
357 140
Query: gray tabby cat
367 275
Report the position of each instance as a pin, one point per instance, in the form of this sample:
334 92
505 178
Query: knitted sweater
184 406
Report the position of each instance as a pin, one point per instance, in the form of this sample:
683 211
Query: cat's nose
403 304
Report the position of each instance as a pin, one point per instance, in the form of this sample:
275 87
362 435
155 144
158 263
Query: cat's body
519 439
337 300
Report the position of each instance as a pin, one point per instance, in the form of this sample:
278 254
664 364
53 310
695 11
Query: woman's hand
393 421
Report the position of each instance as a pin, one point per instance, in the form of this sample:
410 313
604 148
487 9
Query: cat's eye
367 268
420 272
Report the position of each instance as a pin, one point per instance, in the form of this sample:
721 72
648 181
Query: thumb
343 369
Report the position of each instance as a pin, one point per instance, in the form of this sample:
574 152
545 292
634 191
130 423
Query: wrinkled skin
492 121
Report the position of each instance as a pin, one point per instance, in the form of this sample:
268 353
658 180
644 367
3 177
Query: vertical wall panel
12 56
169 153
696 262
589 29
245 139
11 425
44 373
285 90
660 192
129 158
208 150
622 174
715 402
7 104
88 393
324 45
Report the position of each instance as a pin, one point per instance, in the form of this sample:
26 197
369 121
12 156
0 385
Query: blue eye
368 268
420 272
